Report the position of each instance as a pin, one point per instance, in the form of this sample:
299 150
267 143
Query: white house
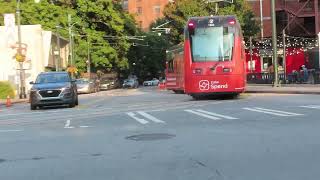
41 52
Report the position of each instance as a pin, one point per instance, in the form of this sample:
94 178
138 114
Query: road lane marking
277 111
148 116
10 130
67 125
85 126
273 112
201 114
312 106
132 115
215 114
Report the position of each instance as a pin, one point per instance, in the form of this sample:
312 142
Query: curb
283 92
14 102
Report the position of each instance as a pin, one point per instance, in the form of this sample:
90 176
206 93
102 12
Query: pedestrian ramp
143 117
209 115
311 106
271 111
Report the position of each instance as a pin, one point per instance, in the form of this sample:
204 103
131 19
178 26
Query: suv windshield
82 81
53 78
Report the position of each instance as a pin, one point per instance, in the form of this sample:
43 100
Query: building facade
297 17
39 47
145 11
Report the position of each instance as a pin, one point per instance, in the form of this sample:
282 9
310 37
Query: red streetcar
211 60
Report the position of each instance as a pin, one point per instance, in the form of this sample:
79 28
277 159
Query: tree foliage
98 25
148 57
180 11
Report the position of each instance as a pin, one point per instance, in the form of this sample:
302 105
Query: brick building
299 17
145 11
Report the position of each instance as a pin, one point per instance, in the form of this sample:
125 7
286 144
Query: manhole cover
150 137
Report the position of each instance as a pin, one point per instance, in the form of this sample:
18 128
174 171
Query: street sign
20 57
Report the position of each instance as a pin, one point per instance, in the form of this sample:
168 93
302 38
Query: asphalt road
149 134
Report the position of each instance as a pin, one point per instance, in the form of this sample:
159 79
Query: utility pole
89 60
22 89
70 40
59 53
274 43
251 52
284 54
319 48
261 19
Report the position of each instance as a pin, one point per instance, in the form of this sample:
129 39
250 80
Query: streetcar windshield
212 44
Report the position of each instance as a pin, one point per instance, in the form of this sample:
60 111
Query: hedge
6 89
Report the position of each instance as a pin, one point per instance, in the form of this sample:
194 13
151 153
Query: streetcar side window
170 59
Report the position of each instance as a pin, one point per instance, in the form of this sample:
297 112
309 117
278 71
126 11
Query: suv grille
49 93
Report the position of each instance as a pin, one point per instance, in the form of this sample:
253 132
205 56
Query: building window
125 5
140 24
156 9
139 10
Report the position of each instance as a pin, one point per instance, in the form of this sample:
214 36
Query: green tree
147 58
179 12
101 26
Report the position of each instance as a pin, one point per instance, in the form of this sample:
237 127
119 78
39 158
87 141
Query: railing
312 77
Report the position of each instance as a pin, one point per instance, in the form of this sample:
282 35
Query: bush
6 89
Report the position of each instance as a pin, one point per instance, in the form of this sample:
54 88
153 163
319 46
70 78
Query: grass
6 89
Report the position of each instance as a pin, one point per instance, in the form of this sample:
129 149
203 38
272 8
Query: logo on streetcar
205 85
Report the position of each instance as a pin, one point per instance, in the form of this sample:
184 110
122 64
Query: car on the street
153 82
106 84
130 83
53 88
87 86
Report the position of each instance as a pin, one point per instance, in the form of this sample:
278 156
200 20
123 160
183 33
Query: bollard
8 102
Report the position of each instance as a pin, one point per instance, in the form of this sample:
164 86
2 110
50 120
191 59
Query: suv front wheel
33 107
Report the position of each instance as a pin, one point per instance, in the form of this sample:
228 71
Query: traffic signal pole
22 89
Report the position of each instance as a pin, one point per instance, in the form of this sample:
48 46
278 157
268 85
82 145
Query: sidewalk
13 101
284 89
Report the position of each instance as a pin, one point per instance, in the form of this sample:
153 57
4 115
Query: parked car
130 83
106 84
87 86
53 88
153 82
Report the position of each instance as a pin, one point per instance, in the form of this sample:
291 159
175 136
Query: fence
313 77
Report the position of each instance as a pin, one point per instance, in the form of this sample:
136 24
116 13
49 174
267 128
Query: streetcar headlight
226 69
197 71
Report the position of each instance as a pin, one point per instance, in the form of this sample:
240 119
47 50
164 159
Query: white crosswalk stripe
202 114
312 106
148 116
145 116
215 114
132 115
272 111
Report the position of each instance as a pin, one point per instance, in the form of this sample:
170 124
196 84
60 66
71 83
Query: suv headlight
66 90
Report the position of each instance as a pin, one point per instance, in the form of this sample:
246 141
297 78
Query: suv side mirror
31 82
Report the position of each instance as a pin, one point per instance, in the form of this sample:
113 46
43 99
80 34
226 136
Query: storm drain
150 137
